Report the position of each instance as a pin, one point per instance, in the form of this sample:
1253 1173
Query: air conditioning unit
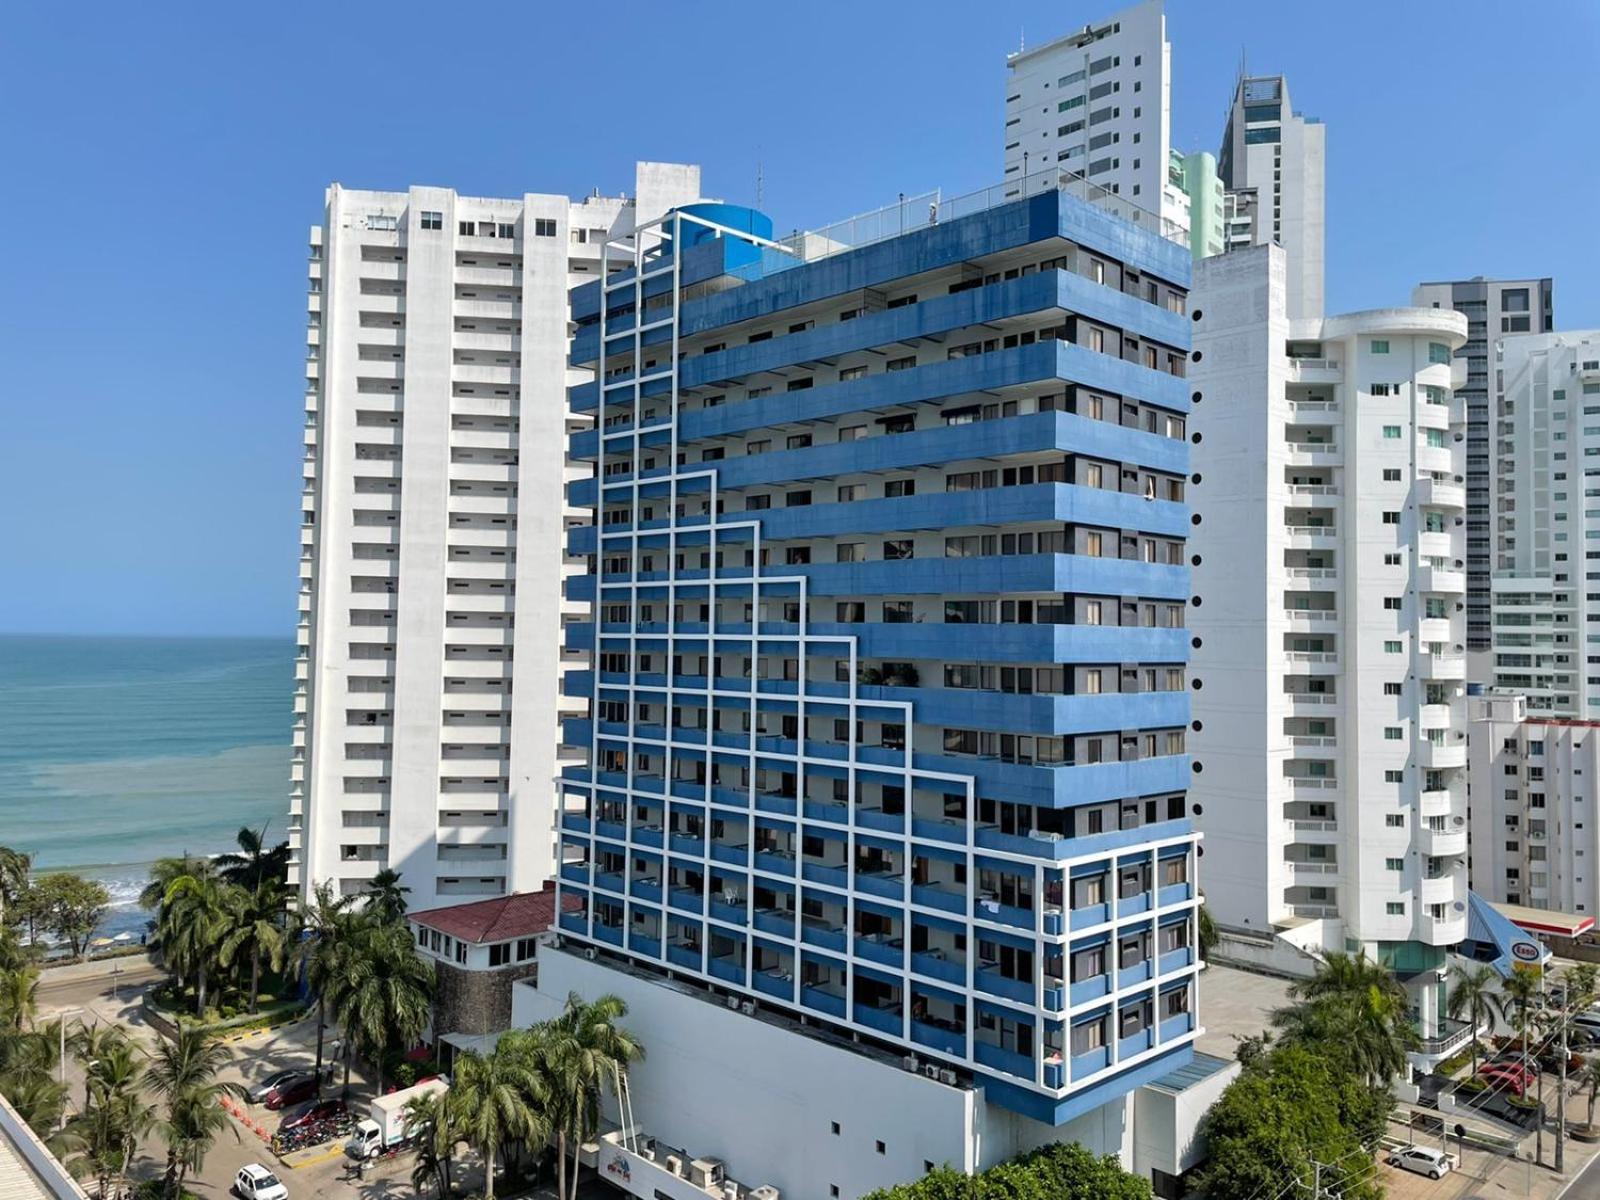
931 1070
947 1076
733 1002
911 1063
748 1008
591 953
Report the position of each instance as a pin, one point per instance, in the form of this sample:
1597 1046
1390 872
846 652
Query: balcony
1315 370
1312 454
1447 667
1442 889
1434 494
1437 755
1444 582
1452 1036
1440 843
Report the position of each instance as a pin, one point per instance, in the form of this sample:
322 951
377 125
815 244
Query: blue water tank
731 216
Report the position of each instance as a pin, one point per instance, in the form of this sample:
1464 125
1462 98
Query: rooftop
519 915
1201 1068
28 1171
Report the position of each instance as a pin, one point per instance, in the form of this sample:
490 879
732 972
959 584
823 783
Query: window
1391 431
544 227
1392 733
1438 352
433 220
1391 689
1394 776
1379 347
1391 474
1395 908
1392 603
1395 864
1391 518
1393 648
500 955
1394 820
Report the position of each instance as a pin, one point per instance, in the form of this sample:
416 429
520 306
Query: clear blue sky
163 162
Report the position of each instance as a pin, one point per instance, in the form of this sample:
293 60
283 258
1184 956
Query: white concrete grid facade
1329 621
1545 590
432 565
1535 834
1098 102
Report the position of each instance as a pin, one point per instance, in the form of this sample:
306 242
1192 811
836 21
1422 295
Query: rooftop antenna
761 185
1022 39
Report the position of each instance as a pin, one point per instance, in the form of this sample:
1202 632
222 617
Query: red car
293 1092
1507 1077
319 1110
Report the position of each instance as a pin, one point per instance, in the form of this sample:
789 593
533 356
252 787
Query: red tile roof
519 915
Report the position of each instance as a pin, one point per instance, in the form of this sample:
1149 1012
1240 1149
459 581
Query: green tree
72 907
495 1099
88 1045
254 864
164 872
29 1062
15 869
1521 992
19 997
183 1074
1207 929
115 1115
327 932
429 1115
1474 997
386 896
1287 1110
1055 1172
587 1053
1356 1003
382 994
1589 1077
196 916
255 930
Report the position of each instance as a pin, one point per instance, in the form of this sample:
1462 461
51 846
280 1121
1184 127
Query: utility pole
1538 1130
1561 1092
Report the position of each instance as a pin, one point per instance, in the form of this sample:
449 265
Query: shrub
1054 1172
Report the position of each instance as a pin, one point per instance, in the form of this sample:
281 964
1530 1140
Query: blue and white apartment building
888 703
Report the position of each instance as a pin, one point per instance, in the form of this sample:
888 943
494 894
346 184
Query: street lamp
61 1054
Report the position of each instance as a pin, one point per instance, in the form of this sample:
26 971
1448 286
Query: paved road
1587 1185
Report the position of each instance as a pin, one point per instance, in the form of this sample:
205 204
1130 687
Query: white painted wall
1332 457
481 340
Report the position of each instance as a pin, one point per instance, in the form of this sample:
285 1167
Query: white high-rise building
1495 309
1328 626
1535 795
1098 102
432 564
1272 167
1545 591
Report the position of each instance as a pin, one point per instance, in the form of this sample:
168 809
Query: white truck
386 1127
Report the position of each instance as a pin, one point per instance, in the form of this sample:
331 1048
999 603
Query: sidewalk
97 968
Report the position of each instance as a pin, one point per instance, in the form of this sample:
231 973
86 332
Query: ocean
116 751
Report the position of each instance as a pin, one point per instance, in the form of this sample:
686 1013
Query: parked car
301 1087
1509 1078
1423 1160
259 1092
310 1114
255 1182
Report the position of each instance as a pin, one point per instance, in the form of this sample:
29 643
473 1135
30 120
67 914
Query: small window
433 220
882 1149
1392 432
544 227
1380 347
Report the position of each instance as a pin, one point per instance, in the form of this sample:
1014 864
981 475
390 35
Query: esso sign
1525 951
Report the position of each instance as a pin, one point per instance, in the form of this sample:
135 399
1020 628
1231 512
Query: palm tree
386 896
19 997
15 869
1589 1077
256 928
1475 999
429 1114
1357 1005
588 1053
383 993
114 1117
89 1045
254 864
1521 992
183 1073
166 871
327 931
197 915
494 1099
29 1069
